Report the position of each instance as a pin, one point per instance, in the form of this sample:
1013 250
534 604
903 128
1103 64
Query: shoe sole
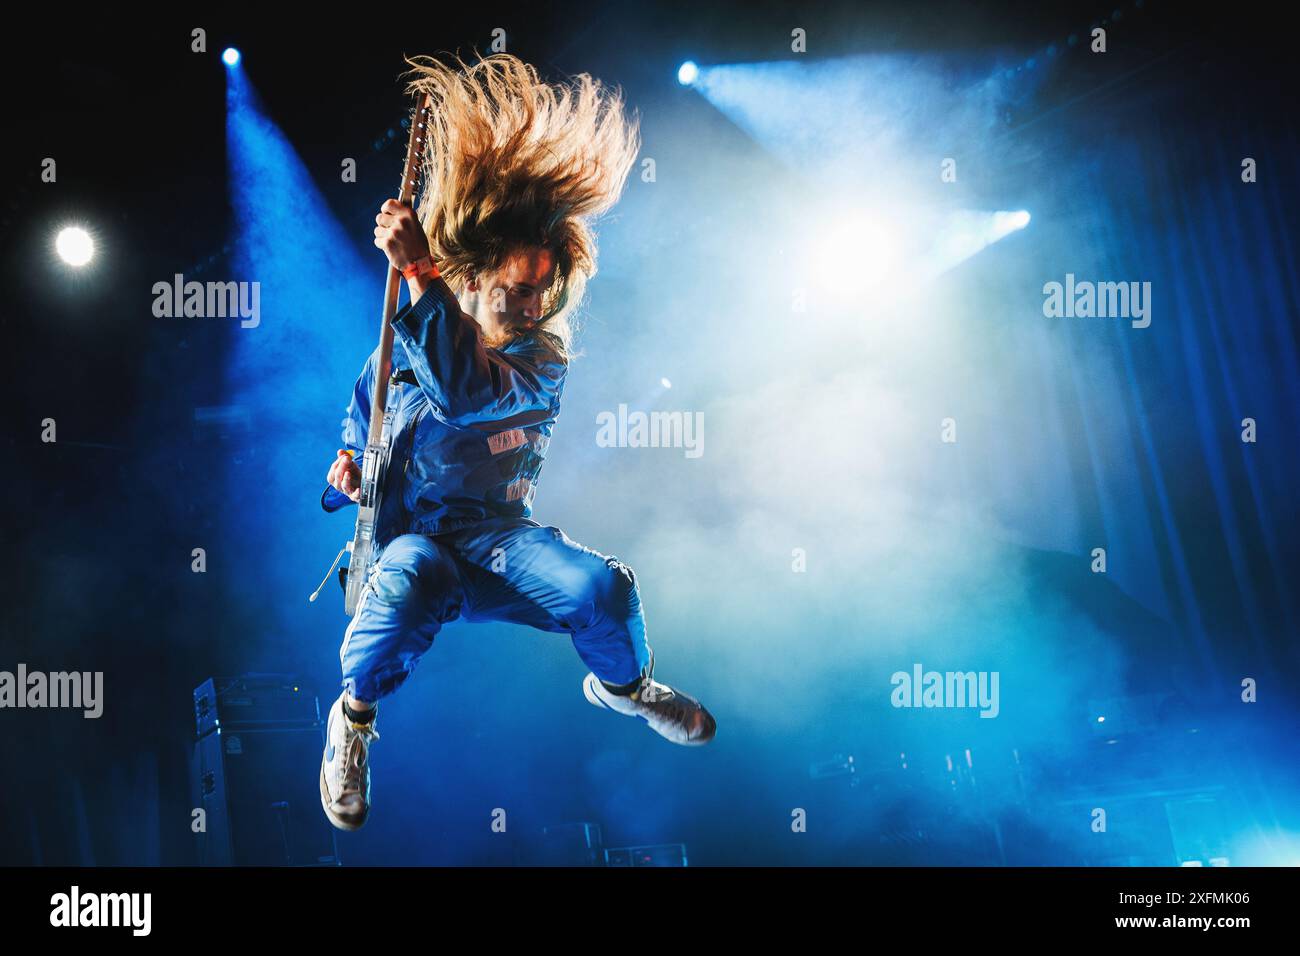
589 691
333 817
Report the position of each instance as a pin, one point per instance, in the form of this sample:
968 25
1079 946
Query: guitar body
379 438
362 551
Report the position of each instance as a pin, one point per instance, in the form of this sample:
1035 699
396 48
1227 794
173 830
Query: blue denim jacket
471 424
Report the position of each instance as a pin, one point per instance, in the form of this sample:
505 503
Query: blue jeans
502 569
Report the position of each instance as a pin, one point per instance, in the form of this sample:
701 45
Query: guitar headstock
420 124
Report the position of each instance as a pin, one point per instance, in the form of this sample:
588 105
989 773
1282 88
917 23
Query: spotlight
230 57
1004 223
864 248
665 383
687 72
74 246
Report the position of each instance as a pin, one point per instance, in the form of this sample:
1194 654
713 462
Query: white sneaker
671 714
345 769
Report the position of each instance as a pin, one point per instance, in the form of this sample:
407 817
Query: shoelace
661 695
665 700
652 692
352 769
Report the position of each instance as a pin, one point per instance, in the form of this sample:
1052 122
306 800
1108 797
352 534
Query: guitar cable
337 558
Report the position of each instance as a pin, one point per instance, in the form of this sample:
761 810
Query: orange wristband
423 265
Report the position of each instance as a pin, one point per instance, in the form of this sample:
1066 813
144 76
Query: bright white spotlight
74 246
230 57
857 253
687 72
665 383
1004 223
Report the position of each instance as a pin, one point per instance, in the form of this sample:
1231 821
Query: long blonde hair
513 161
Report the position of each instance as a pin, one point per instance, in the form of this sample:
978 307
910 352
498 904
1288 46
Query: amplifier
255 773
264 700
260 794
664 854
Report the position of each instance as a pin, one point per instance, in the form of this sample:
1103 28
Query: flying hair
513 161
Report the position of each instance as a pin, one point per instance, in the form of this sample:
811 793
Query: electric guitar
379 438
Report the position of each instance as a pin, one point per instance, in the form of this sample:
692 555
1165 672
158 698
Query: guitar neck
384 363
393 287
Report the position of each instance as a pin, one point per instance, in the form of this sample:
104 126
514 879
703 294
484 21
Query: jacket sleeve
356 426
468 383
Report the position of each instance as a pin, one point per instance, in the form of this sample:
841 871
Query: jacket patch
518 489
504 441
